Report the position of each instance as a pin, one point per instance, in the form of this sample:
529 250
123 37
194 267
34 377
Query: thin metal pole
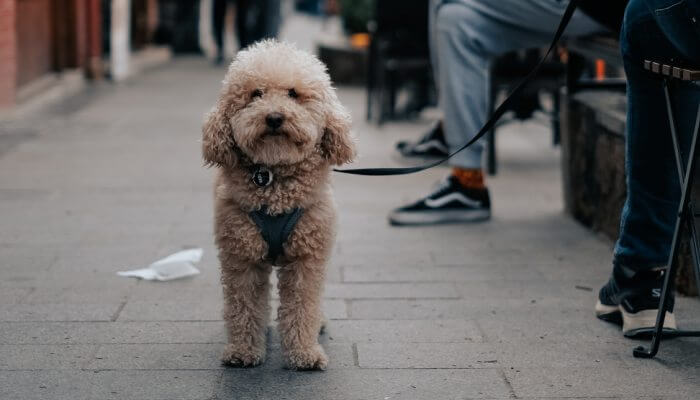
683 213
693 226
674 134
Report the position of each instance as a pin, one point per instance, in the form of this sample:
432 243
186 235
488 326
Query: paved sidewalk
497 310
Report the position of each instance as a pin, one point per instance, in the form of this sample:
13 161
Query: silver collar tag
262 176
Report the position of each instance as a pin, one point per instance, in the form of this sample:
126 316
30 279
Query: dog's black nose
274 120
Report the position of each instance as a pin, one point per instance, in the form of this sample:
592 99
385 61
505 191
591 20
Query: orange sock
469 178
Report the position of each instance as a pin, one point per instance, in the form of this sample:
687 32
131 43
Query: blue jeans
664 31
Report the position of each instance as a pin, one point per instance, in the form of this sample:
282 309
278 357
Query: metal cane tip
641 352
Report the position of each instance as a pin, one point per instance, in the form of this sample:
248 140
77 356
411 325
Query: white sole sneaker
438 217
643 323
606 312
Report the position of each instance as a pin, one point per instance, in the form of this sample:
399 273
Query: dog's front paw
238 356
307 359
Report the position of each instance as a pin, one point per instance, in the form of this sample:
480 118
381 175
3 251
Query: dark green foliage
356 14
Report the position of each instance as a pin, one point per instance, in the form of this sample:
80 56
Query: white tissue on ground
174 266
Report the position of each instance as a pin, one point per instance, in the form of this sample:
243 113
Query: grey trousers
465 36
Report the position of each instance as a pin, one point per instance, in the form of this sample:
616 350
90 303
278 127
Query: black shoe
451 202
632 299
431 145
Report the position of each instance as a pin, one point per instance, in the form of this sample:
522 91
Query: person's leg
469 34
466 35
270 17
679 20
432 143
649 214
257 20
218 17
653 192
242 28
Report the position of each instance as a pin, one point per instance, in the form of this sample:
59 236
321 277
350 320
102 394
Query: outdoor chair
510 69
672 77
398 57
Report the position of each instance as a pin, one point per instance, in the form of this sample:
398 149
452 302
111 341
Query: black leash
497 114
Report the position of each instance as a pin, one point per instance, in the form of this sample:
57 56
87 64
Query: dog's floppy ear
337 144
217 139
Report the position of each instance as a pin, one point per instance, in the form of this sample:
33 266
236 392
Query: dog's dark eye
256 93
292 93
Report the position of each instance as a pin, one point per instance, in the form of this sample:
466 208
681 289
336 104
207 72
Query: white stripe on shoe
644 322
603 309
454 196
438 217
429 145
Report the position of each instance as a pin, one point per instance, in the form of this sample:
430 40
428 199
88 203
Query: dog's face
277 107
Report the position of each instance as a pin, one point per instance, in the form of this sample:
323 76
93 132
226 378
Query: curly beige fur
272 77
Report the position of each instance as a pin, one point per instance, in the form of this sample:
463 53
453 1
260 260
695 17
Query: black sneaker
451 202
632 299
431 145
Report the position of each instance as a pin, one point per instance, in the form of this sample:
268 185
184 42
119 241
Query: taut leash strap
497 114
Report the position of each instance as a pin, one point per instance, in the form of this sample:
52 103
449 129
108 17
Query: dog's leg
246 313
300 288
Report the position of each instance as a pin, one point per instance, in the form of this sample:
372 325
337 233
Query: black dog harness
275 229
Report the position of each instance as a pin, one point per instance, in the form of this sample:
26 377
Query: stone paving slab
204 356
576 382
447 273
108 385
470 308
427 355
367 255
407 309
197 310
45 357
174 310
487 355
59 312
21 262
13 295
72 294
573 325
111 332
156 357
365 384
403 331
332 309
391 290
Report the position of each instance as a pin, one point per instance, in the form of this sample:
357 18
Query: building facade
42 38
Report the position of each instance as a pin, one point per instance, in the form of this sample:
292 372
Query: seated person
466 35
664 31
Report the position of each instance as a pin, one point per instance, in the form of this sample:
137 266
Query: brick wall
94 39
8 53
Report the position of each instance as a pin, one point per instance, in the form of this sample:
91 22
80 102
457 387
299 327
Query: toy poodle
274 134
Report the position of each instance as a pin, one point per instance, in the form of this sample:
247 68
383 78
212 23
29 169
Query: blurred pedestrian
255 20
